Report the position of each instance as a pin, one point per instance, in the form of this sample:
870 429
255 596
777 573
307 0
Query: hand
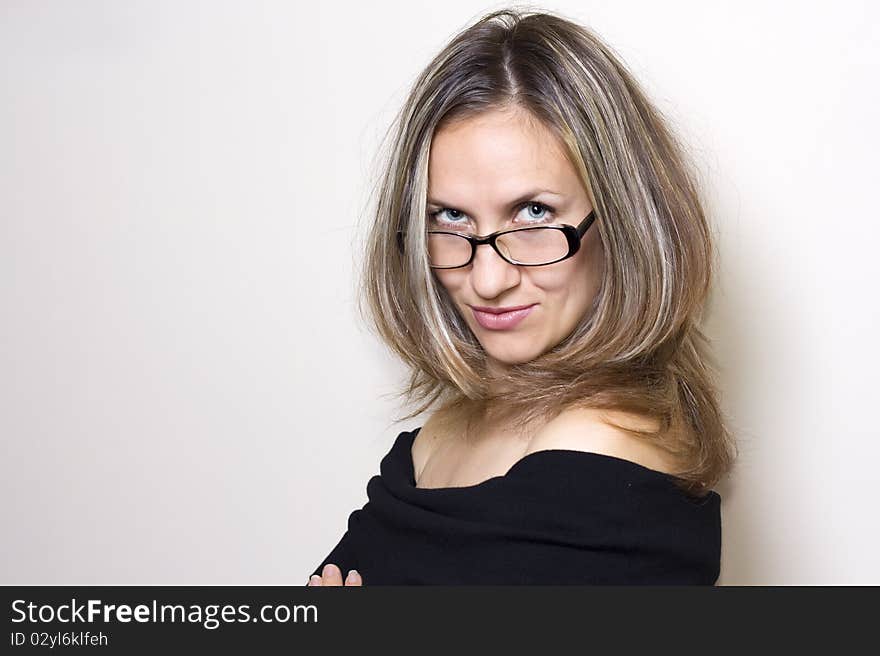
331 575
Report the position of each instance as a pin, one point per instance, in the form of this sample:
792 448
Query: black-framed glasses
529 246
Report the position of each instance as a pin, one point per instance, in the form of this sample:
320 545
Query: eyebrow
517 201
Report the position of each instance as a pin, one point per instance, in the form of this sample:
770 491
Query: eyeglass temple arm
587 222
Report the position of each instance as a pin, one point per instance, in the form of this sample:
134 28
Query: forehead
496 155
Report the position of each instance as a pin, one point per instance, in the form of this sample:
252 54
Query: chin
508 358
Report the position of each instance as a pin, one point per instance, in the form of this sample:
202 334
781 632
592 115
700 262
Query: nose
491 275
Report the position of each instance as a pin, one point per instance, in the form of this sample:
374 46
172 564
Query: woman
540 259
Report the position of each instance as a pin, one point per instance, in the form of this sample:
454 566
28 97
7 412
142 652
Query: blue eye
436 214
543 207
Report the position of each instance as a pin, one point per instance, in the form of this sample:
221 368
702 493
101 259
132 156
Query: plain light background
186 393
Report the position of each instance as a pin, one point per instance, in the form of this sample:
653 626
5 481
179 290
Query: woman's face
477 169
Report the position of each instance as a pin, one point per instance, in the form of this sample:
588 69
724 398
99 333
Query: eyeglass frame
573 235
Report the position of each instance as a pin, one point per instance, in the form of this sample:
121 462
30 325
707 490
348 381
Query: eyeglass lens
531 246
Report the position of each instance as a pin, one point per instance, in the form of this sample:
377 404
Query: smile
503 320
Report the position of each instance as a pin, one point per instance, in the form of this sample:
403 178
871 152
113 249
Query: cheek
567 278
452 282
570 288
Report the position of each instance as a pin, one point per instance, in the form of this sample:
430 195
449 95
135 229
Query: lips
502 320
502 310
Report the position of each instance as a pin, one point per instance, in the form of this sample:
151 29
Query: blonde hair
639 349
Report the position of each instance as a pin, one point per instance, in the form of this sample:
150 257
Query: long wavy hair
640 348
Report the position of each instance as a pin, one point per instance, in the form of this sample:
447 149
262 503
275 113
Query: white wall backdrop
186 393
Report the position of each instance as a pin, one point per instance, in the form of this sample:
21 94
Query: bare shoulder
585 429
429 435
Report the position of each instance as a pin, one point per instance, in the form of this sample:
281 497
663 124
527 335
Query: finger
314 579
331 575
353 578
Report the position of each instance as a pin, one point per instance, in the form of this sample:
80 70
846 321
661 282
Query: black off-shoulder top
557 517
